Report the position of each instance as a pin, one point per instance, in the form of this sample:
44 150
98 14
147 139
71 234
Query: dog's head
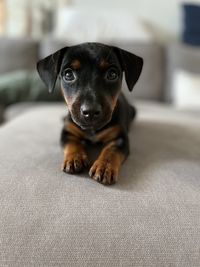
91 77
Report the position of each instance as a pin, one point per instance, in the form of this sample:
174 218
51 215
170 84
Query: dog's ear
131 65
49 68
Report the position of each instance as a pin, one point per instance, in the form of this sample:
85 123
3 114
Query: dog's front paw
75 162
103 172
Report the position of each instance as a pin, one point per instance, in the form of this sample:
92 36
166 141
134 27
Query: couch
151 217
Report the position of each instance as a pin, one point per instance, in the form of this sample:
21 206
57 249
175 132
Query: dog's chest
103 136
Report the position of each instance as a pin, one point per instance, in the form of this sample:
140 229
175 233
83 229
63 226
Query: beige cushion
151 217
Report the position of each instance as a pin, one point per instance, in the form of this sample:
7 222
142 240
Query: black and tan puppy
91 78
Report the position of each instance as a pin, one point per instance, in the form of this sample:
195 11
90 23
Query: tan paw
103 172
75 163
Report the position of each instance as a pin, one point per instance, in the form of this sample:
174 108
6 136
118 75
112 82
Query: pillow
186 90
1 114
22 86
91 25
191 32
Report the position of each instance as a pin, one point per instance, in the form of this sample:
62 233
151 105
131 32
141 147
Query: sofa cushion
16 54
180 57
151 217
17 109
150 84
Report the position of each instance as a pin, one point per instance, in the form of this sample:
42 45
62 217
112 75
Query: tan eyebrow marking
76 64
103 64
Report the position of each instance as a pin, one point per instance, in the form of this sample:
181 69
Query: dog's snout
91 112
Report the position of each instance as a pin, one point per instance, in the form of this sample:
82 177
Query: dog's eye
69 75
112 74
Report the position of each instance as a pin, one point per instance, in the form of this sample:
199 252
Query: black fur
92 89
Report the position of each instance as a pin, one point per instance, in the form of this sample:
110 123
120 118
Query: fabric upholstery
150 83
151 217
180 57
16 54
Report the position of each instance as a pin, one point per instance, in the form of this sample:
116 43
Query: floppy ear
49 68
131 65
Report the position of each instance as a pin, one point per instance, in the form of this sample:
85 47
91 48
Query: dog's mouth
92 126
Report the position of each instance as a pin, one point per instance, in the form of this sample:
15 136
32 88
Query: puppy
91 77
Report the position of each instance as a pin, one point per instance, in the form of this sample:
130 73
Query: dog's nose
90 112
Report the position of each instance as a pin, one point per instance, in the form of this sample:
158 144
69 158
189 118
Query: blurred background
165 33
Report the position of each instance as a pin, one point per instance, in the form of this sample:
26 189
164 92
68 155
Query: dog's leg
75 157
106 168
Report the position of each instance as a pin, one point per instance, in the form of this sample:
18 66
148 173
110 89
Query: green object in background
1 114
21 86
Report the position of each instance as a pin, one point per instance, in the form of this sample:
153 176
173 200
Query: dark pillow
191 24
23 86
1 114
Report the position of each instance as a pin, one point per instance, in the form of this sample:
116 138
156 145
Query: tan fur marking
107 134
113 156
104 64
72 147
104 136
75 158
106 168
74 130
76 64
68 100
